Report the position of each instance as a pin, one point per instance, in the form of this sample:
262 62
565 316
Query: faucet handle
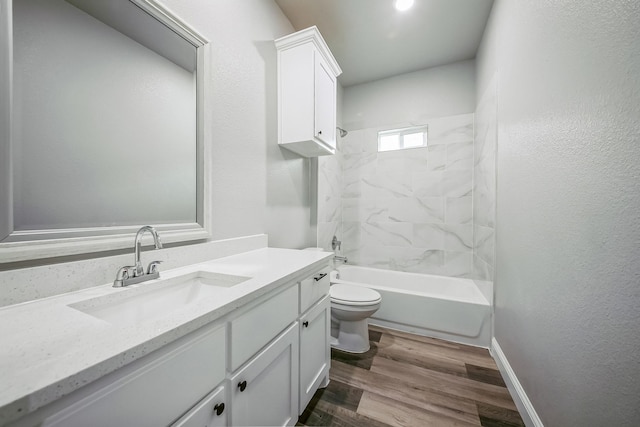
123 273
153 267
335 243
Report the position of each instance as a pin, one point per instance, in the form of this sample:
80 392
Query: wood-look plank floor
410 380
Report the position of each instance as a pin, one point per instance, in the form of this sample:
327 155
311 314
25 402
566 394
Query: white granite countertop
49 349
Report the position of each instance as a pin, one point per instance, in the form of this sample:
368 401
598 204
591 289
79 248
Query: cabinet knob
219 408
306 324
319 132
242 385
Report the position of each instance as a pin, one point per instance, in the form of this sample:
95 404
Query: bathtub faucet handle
335 243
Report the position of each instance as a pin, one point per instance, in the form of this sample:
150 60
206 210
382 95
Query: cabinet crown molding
311 34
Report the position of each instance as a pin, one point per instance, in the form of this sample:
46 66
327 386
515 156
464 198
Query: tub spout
339 258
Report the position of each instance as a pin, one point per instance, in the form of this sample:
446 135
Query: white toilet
351 307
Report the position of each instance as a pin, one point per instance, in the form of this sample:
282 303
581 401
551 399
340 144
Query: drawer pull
242 385
319 277
306 323
219 408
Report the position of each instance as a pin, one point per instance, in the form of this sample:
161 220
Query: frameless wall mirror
106 127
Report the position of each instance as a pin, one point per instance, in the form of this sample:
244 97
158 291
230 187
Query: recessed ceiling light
403 5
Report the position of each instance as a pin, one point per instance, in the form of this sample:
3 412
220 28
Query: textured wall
567 284
484 183
413 97
257 186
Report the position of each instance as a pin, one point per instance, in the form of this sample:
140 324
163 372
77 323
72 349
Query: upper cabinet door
307 85
325 103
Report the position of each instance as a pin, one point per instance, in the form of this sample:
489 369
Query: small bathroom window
401 139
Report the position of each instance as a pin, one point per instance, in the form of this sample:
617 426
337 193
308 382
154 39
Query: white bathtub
436 306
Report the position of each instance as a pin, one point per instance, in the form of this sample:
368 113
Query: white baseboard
520 398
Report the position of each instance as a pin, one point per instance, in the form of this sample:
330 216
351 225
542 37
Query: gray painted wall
257 186
412 97
567 285
484 183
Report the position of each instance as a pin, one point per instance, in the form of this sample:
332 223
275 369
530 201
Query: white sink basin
156 299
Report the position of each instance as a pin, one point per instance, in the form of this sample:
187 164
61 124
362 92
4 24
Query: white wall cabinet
244 369
307 94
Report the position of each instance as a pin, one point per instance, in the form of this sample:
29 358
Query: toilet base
352 336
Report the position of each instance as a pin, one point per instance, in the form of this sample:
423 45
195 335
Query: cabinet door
325 103
315 352
210 412
265 391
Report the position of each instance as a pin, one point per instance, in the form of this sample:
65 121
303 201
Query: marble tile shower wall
329 199
410 210
484 191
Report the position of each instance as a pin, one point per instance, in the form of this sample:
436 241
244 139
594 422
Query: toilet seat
353 295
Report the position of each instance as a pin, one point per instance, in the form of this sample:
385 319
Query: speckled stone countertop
49 349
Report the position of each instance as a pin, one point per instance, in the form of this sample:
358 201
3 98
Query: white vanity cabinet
264 370
260 364
314 288
253 327
307 94
153 391
315 351
315 331
265 391
210 412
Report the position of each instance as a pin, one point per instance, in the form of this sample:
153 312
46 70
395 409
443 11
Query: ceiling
371 40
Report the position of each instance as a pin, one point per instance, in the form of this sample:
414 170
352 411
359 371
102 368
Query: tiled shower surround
410 210
424 210
329 197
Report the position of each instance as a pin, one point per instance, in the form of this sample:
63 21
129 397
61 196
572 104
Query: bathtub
442 307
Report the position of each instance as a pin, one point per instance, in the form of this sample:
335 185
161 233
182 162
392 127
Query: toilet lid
354 295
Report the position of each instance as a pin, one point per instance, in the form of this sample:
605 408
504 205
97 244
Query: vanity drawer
154 391
253 329
313 288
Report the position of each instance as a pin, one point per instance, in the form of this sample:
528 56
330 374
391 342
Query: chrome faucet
138 246
128 275
335 243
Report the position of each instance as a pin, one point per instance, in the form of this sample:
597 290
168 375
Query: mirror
107 132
